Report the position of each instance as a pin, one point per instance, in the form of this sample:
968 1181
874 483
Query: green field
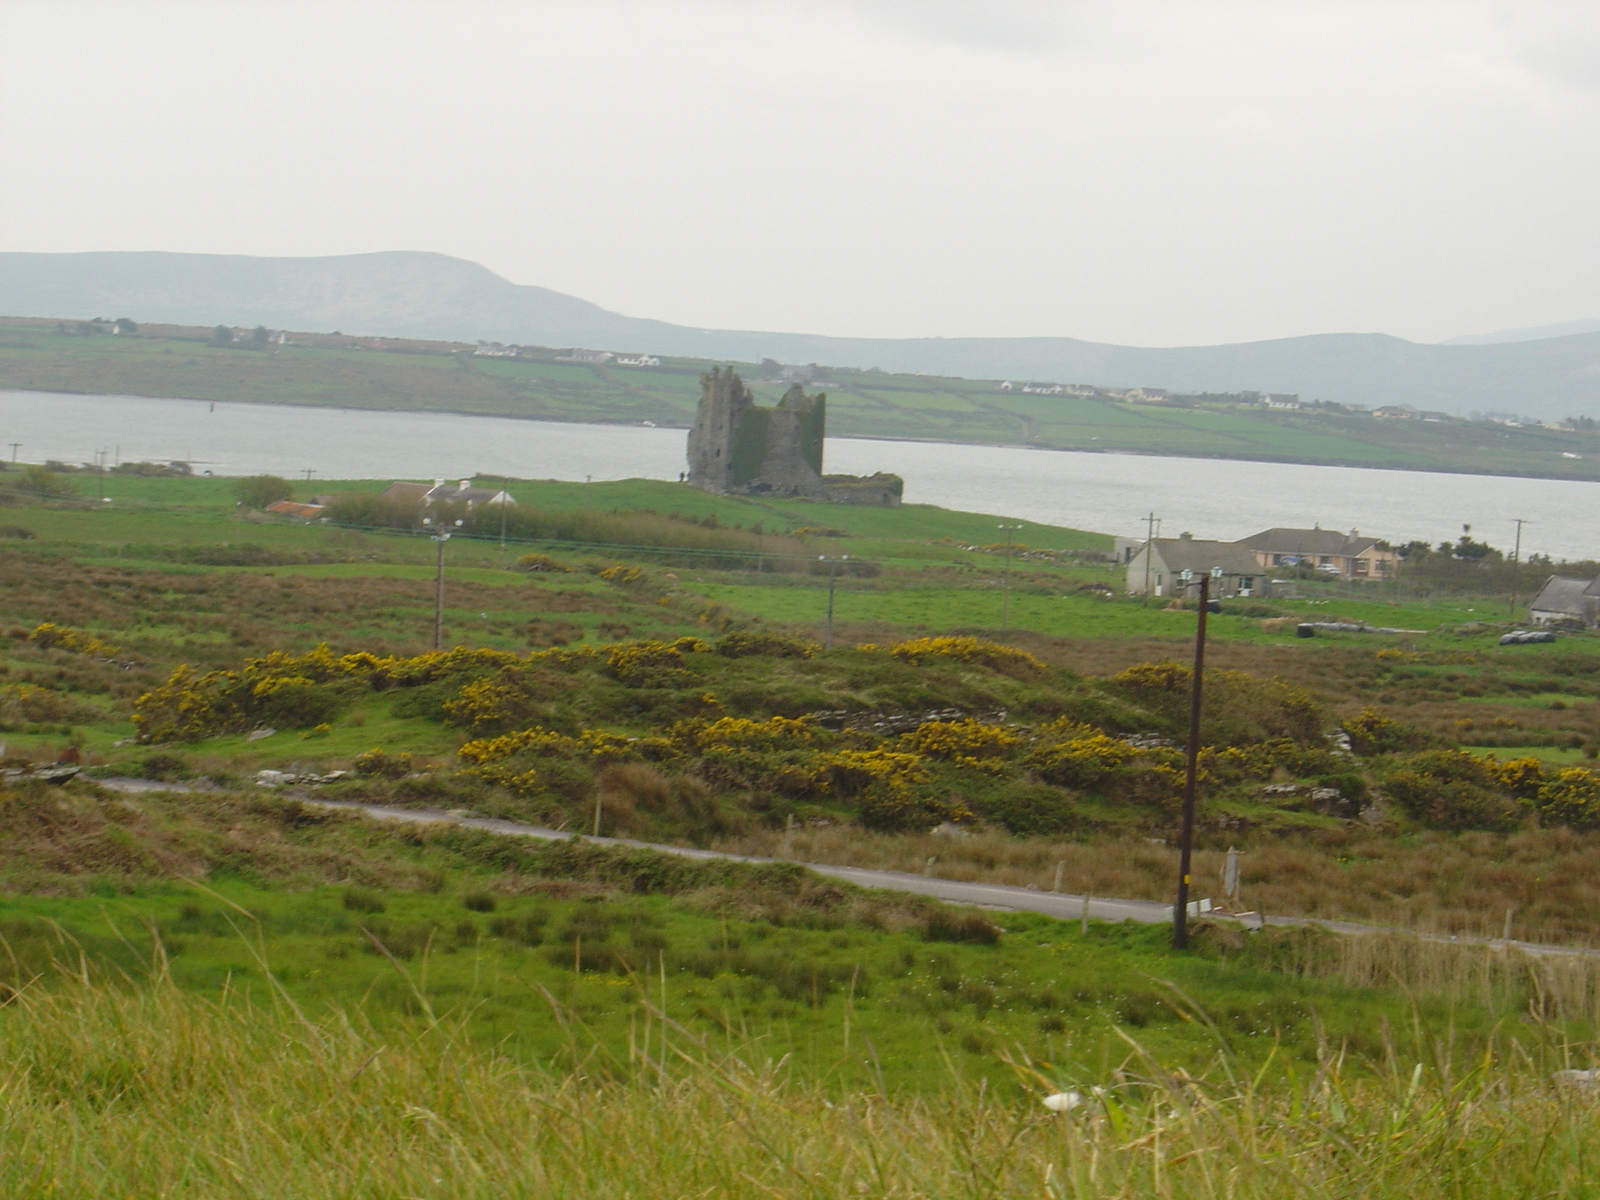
390 373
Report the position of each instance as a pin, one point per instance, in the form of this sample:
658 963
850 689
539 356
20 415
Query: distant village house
1348 556
1174 566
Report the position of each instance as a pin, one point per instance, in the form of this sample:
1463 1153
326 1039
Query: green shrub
1374 732
1033 810
258 491
947 925
1446 789
751 643
164 767
527 928
47 484
362 900
383 765
1236 709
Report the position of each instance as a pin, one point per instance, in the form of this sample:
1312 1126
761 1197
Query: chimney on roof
1186 536
438 483
465 484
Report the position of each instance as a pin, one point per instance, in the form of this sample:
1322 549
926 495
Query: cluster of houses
496 350
1173 566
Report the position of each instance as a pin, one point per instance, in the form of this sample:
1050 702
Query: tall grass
148 1092
1462 884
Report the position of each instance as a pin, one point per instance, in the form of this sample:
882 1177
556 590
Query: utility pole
833 574
308 472
15 446
1149 538
1180 911
1516 559
502 524
1005 603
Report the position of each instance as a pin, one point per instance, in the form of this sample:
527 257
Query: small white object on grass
1063 1101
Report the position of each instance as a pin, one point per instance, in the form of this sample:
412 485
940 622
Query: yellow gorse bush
49 636
1084 761
965 649
301 689
729 732
652 664
962 739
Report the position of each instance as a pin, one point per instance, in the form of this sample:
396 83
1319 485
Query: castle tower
737 447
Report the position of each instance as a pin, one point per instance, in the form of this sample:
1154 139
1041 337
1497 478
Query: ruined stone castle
738 448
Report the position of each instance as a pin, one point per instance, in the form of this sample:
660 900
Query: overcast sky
1141 173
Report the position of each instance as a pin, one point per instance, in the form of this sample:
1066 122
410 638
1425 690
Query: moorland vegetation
1433 781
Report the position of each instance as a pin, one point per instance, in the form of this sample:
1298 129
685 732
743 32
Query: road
1061 905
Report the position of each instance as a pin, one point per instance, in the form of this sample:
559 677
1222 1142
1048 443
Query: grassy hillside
398 374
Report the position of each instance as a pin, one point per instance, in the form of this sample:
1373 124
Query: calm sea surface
1107 492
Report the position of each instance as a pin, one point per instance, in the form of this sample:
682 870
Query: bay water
1109 493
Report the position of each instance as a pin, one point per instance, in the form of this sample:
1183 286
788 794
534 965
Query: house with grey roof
1173 567
1348 556
1566 599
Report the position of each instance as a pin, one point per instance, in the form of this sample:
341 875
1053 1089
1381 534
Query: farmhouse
1173 567
1349 556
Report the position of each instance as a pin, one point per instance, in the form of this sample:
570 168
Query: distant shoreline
1199 455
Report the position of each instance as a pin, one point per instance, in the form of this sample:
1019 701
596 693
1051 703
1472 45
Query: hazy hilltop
425 295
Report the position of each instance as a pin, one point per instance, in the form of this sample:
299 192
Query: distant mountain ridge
1530 333
418 294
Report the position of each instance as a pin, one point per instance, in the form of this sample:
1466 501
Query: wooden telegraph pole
833 576
1516 559
1180 911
